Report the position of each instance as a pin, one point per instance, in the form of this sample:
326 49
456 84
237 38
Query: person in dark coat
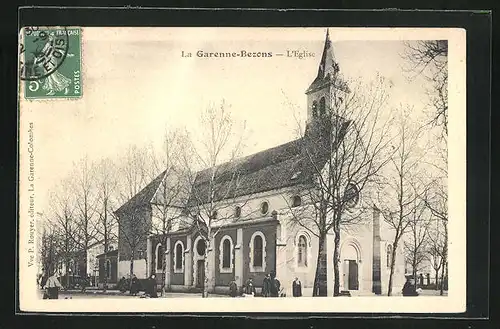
249 287
274 287
409 288
122 284
296 288
134 288
152 290
233 289
266 285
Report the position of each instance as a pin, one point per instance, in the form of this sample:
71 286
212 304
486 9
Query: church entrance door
353 275
351 279
200 275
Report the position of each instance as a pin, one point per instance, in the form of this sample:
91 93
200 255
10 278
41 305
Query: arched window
302 251
389 255
200 247
257 247
322 106
257 251
159 256
226 254
296 201
214 214
237 212
179 257
315 109
264 207
108 269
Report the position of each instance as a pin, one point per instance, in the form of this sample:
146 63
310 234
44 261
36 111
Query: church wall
269 231
357 244
251 205
223 279
143 218
292 269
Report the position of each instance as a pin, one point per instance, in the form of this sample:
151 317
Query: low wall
139 268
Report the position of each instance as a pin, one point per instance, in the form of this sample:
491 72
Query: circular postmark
42 50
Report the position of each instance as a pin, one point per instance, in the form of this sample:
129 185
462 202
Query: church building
260 235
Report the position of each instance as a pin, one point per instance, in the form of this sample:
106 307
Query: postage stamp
50 62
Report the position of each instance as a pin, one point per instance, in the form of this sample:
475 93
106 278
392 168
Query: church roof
289 164
144 196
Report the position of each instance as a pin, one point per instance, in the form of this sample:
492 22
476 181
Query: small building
108 269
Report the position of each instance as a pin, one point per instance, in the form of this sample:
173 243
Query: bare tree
344 148
217 150
398 198
436 200
168 203
106 186
61 220
83 179
438 242
429 58
133 216
417 246
135 171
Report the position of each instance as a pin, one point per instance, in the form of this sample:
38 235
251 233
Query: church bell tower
328 88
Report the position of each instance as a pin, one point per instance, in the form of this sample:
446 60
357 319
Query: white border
453 303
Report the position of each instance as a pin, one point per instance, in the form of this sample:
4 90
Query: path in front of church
116 294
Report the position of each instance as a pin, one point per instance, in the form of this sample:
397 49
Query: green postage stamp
50 62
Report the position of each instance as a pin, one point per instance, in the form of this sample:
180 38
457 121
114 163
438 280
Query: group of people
135 286
271 287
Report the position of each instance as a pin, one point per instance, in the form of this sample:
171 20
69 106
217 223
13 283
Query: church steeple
327 85
328 64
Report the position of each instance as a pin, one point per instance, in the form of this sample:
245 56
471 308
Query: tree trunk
131 269
393 261
105 280
442 280
436 278
206 278
321 279
414 269
336 261
164 270
106 242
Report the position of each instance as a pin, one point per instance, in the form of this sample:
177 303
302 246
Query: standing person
296 288
250 287
122 284
274 287
152 290
134 288
409 287
233 289
53 285
266 285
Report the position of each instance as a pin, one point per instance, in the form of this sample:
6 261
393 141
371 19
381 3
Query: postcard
169 169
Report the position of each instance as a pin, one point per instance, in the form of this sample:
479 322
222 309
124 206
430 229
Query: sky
136 83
